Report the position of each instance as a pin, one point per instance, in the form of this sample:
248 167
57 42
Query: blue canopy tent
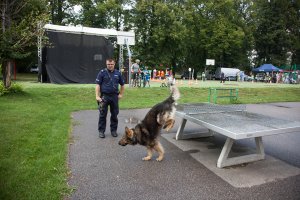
267 68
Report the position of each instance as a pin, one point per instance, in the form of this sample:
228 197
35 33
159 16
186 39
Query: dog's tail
174 92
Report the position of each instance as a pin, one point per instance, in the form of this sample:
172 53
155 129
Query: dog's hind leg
169 124
149 154
158 147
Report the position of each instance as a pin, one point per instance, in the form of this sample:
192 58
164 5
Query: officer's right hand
98 99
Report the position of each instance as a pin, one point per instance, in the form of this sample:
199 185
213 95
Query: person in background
242 76
158 74
162 74
108 94
203 76
222 78
135 70
147 78
154 73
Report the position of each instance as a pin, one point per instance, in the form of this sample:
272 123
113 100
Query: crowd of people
267 77
278 77
140 75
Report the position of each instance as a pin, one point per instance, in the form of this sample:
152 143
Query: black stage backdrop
74 58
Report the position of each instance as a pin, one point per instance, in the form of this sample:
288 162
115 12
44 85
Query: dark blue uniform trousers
112 102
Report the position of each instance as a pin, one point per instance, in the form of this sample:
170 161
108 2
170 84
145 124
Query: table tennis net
210 108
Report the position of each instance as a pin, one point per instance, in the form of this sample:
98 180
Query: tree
160 32
104 14
61 11
274 34
196 36
114 14
225 35
18 31
293 27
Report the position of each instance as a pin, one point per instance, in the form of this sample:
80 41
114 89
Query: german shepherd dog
146 133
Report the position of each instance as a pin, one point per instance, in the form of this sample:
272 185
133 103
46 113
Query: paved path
101 169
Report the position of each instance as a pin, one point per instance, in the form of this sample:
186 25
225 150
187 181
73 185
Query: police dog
160 116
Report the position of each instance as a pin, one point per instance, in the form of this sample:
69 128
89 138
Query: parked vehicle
34 69
230 73
247 78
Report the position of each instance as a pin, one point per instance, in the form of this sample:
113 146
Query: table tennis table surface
234 121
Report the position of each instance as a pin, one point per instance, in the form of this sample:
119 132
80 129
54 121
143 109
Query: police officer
108 94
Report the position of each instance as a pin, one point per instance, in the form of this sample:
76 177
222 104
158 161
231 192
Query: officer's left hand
120 96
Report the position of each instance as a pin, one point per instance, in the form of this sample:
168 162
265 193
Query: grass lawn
35 127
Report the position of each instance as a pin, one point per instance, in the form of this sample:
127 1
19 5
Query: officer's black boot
101 134
114 134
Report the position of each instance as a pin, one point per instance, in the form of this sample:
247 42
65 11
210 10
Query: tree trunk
7 66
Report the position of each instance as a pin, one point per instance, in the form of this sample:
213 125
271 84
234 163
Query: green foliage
104 14
2 89
20 30
160 32
275 36
186 33
14 88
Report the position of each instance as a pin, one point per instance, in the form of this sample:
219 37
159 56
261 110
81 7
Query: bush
14 88
2 89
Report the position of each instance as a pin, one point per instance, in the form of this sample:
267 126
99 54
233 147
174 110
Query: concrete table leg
224 161
203 132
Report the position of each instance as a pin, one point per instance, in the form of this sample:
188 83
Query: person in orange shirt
158 74
162 74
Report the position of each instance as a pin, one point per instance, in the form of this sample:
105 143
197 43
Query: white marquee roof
122 36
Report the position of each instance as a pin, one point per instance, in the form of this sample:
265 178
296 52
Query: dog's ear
129 132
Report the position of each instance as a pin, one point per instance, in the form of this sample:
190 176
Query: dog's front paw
169 128
146 158
159 159
169 125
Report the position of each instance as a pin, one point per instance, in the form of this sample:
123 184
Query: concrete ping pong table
234 122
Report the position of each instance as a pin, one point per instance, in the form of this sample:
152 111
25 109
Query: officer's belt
109 94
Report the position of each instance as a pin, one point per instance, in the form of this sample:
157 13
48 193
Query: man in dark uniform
108 94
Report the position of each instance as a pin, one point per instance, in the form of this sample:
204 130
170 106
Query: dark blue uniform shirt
109 81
